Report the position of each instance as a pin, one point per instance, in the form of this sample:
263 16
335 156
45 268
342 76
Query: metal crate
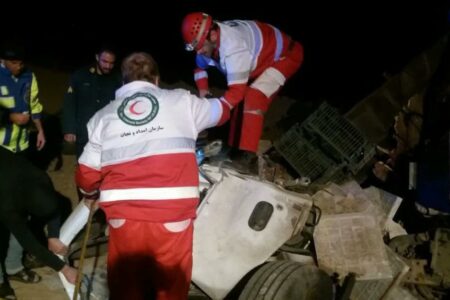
325 147
334 130
302 155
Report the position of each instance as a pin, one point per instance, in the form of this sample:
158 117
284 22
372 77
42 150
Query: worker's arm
36 112
208 112
40 139
200 74
238 66
88 174
19 118
17 225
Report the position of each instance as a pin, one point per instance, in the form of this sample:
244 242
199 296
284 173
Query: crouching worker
141 158
26 191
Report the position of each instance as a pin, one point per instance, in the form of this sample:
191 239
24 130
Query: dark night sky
347 46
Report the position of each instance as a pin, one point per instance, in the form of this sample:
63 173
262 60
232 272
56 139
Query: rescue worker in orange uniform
256 58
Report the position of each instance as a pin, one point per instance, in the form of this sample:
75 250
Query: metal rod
83 250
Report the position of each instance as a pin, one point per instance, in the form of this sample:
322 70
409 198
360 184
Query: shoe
6 292
244 162
25 276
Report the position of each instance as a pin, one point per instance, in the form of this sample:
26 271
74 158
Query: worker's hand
90 203
93 195
57 247
70 274
70 137
204 93
381 170
40 141
19 118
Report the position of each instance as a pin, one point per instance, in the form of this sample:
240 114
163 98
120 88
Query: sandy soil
50 288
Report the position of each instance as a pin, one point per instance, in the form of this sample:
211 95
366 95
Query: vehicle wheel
284 280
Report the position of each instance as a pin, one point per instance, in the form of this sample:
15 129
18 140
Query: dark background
348 47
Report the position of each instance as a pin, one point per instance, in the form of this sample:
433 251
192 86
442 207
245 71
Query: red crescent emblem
132 109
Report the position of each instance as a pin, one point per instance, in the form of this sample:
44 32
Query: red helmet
195 28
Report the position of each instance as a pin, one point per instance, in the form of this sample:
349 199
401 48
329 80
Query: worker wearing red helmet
256 58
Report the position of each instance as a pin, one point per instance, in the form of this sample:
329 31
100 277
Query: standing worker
141 159
90 89
19 93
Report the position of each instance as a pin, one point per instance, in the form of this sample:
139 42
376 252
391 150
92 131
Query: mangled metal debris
382 288
351 243
325 147
351 198
241 223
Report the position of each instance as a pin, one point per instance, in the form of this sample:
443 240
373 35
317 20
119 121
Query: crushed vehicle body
317 231
241 223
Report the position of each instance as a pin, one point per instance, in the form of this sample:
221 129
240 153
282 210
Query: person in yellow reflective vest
19 93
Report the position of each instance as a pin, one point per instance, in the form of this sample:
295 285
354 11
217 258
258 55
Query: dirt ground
50 288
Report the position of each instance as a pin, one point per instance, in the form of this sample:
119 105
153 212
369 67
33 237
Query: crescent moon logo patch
133 108
138 109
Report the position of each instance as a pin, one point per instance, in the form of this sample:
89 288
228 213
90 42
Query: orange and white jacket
141 152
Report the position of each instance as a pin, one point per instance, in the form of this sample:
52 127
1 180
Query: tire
285 280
